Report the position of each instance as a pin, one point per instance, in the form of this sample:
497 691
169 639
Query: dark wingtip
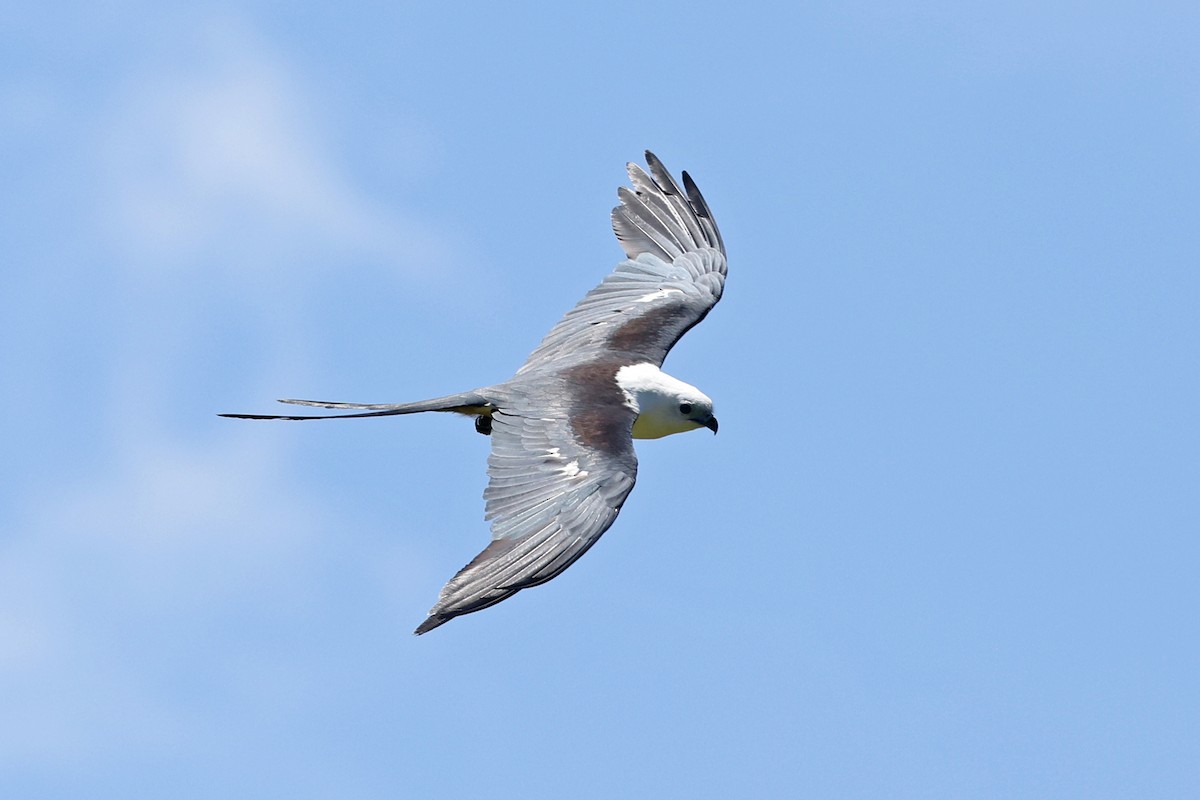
430 623
693 193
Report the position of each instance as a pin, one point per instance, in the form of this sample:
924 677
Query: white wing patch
572 470
569 469
658 295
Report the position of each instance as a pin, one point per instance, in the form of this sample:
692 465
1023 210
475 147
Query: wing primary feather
703 211
659 204
636 208
669 187
638 236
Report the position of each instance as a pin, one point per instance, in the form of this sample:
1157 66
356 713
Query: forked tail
466 403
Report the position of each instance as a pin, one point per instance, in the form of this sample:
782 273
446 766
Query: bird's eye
685 408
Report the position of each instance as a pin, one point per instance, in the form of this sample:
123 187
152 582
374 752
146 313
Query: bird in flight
562 428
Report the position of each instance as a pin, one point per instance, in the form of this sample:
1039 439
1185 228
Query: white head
664 405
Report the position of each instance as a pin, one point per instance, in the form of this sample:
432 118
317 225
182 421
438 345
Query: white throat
656 397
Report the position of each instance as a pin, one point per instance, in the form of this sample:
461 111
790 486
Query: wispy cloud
211 169
224 158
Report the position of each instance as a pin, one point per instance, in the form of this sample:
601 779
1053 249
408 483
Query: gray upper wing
558 475
673 276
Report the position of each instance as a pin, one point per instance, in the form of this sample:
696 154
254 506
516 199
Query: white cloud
225 156
211 168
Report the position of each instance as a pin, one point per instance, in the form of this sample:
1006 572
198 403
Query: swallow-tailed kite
562 428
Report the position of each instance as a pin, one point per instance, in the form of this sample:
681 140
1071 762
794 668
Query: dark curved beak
711 424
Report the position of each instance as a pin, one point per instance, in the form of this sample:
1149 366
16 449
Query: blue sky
944 546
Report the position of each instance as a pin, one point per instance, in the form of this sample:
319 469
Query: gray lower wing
673 275
549 498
